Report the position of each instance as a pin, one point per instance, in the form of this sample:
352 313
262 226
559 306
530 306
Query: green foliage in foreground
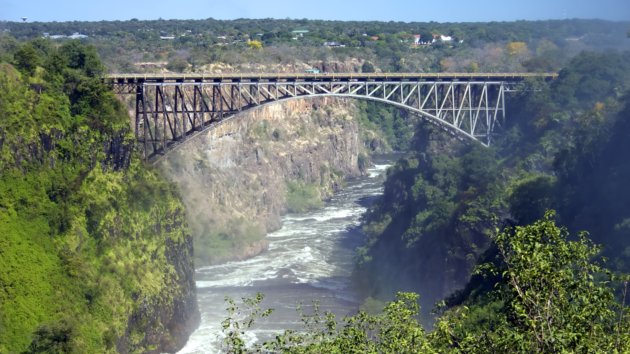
550 297
84 229
395 330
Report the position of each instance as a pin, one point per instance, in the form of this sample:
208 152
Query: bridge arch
169 111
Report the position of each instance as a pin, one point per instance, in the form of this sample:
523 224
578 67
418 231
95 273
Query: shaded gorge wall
239 177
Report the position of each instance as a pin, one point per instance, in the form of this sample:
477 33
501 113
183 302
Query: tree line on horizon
133 46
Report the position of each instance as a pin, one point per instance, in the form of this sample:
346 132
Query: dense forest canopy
198 45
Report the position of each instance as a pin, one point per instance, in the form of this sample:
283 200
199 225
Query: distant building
312 71
334 45
575 39
167 37
299 33
418 40
77 35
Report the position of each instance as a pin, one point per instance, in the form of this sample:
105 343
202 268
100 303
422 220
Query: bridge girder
169 113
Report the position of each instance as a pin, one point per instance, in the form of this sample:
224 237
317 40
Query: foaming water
310 259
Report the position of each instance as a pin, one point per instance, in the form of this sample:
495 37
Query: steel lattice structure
171 110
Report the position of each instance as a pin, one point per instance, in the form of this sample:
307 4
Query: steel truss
168 113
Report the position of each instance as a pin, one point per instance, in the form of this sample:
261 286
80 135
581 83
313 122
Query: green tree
52 339
177 65
82 57
530 198
367 67
27 59
255 44
558 302
552 297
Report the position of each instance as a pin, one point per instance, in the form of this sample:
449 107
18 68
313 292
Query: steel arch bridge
172 108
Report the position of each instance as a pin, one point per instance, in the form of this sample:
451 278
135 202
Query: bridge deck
325 77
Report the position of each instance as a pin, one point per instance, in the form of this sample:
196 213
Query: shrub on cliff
302 197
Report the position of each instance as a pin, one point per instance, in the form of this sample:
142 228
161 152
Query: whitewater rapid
310 259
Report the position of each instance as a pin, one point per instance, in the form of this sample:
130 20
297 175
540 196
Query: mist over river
309 259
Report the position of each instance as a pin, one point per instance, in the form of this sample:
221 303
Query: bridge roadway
171 108
121 79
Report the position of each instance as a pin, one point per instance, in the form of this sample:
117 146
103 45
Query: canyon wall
238 178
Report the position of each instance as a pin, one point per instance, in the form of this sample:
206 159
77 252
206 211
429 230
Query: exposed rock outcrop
331 66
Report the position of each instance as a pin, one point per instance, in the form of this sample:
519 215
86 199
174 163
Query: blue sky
383 10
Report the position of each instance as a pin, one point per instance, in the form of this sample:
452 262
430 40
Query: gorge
100 251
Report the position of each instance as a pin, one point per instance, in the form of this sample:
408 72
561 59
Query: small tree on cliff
177 64
367 67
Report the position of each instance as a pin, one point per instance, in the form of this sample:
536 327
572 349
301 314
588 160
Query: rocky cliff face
234 178
331 66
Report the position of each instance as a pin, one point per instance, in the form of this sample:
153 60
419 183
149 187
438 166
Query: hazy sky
383 10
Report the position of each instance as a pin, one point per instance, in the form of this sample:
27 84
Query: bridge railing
202 77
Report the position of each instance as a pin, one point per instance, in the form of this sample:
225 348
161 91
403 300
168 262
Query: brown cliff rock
234 177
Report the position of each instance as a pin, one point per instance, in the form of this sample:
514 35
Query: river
309 259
